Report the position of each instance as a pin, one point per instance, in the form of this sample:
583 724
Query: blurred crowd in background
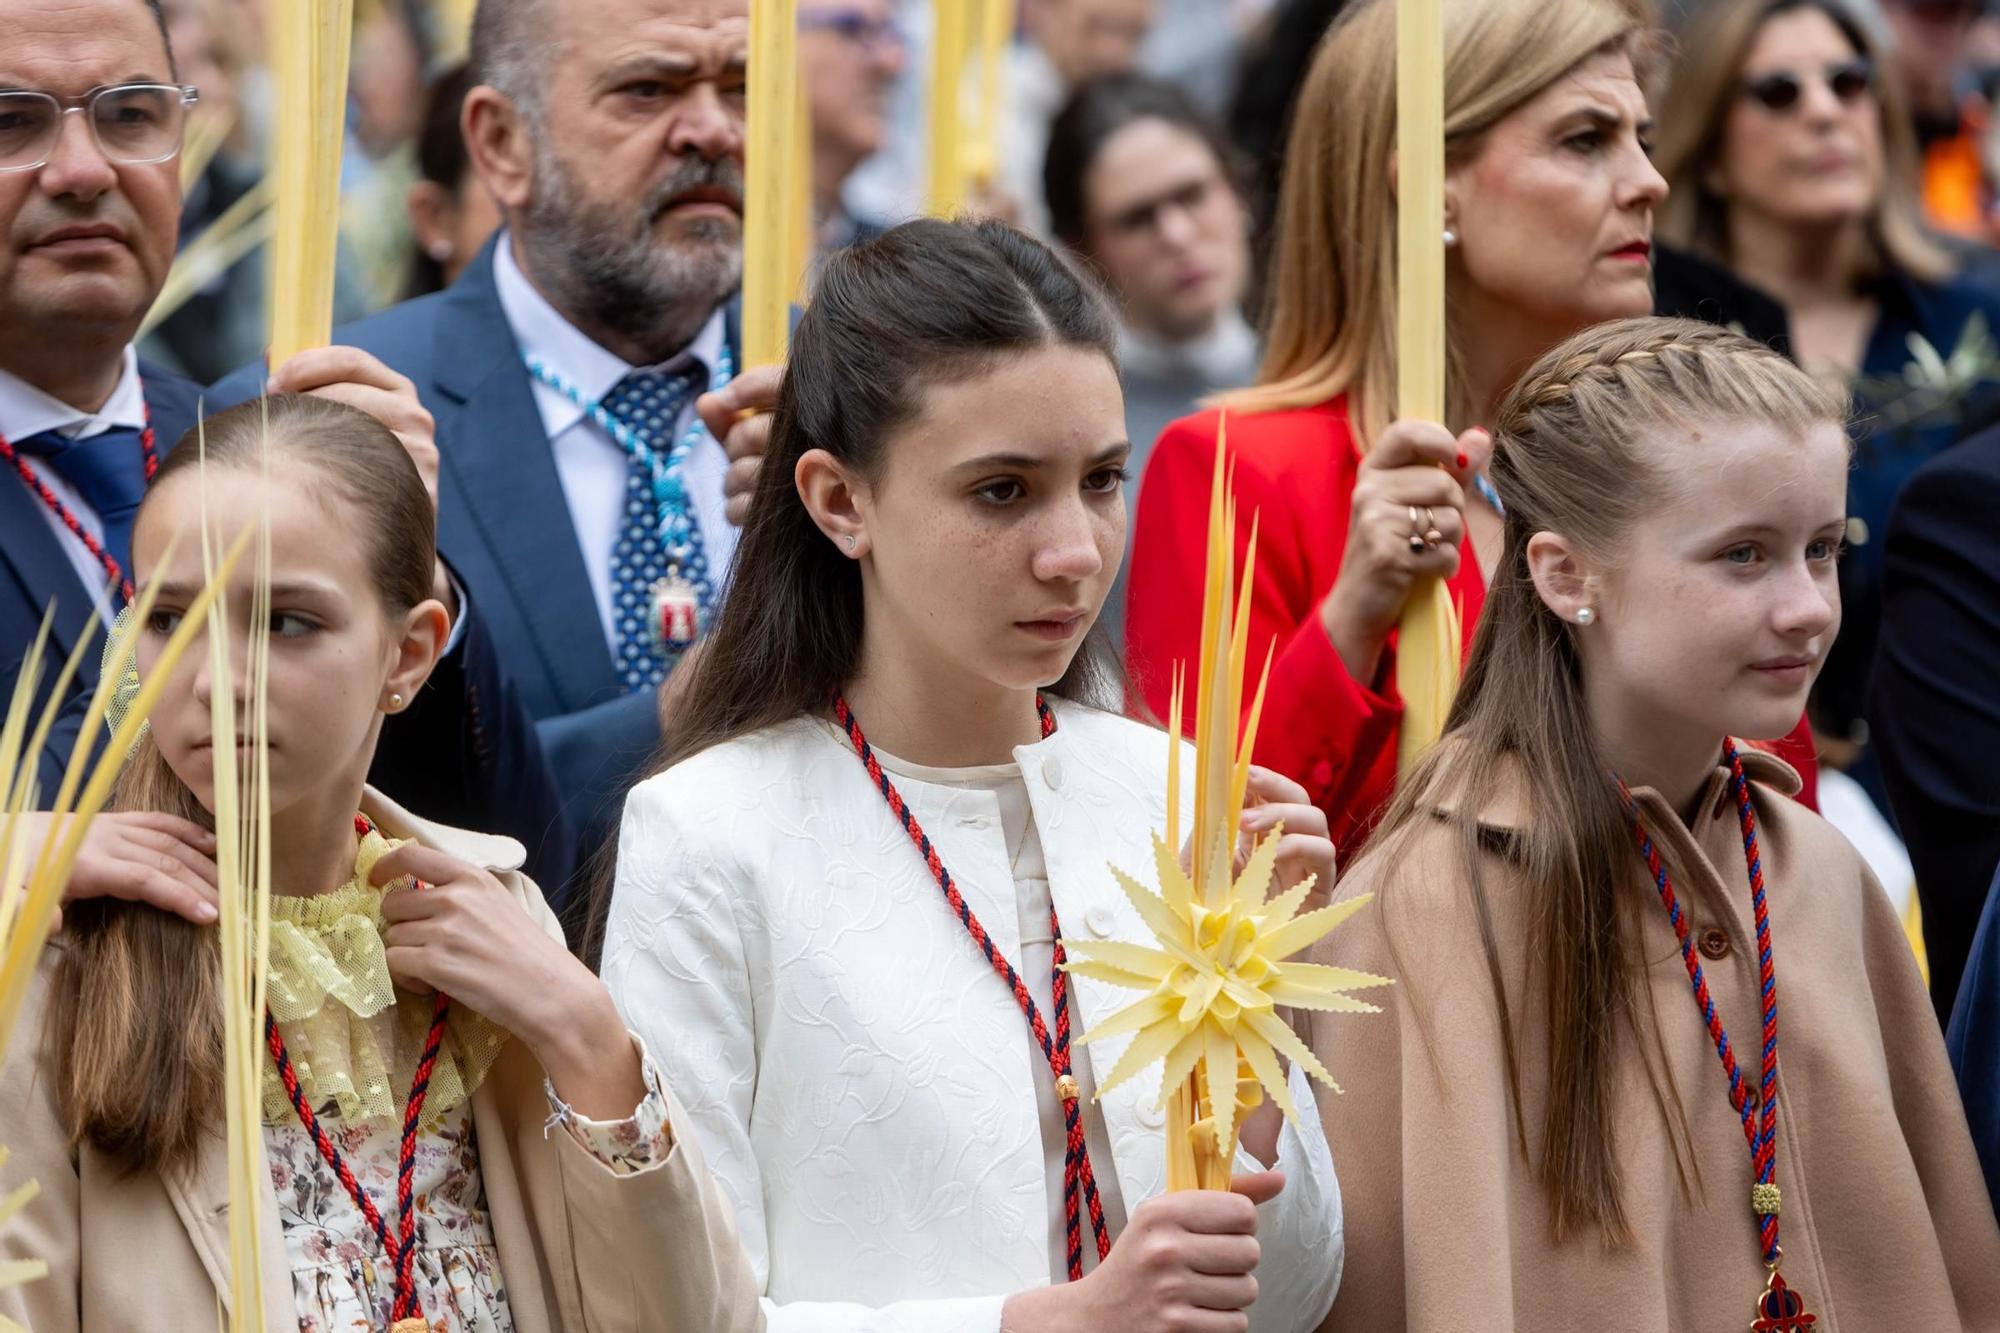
1833 173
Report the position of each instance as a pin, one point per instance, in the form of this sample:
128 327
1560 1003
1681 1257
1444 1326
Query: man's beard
605 267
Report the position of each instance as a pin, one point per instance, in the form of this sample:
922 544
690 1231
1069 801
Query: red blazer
1295 470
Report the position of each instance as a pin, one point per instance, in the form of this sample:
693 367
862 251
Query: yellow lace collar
354 1040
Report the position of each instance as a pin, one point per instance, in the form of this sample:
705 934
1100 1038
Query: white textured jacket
857 1075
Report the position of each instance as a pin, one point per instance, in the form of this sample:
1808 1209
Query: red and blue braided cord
1760 1129
149 457
1079 1180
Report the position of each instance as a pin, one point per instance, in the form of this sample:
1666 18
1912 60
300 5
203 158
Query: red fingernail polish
1463 461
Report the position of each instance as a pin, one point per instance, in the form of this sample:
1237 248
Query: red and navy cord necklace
112 569
1779 1309
1079 1181
407 1316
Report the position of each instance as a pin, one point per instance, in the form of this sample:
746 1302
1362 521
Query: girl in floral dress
548 1187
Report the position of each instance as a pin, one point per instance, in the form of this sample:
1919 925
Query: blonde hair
1577 449
1331 316
1703 85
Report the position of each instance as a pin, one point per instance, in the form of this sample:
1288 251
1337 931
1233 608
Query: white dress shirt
589 462
26 410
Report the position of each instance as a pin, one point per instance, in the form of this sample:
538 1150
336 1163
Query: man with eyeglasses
850 54
91 121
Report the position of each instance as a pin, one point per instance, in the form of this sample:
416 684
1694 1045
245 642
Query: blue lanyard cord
680 534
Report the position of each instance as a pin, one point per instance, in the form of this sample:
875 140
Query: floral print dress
341 1280
354 1043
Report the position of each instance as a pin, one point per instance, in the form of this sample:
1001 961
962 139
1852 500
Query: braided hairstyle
1575 454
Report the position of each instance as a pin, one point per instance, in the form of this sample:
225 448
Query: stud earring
1586 616
1450 238
440 251
848 541
395 702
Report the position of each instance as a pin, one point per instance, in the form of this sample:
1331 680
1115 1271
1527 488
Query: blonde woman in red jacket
1549 204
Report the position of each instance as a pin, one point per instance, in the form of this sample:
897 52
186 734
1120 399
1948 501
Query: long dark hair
925 303
134 1021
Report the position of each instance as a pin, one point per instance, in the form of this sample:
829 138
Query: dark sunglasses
1781 89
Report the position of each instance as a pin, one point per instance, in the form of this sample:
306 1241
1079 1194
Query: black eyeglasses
133 123
1782 89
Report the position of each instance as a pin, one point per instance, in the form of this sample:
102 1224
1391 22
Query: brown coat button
1715 942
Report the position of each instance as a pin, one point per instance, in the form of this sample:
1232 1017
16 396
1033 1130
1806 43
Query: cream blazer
855 1070
580 1248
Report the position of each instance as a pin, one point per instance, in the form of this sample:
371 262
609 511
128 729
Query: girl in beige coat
552 1189
1542 1134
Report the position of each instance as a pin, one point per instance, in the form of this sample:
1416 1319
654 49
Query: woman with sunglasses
1793 162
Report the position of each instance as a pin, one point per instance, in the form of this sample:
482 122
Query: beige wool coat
580 1248
1885 1222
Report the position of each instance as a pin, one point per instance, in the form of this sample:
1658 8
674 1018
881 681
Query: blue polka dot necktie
649 403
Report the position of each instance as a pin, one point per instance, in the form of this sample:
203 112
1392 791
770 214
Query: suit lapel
46 577
41 566
498 459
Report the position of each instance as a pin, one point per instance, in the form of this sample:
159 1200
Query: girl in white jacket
892 784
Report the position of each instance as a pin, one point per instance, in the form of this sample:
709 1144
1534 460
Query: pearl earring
395 702
440 251
1450 238
1586 616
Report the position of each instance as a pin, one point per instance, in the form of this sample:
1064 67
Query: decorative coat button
1100 921
1715 942
1052 772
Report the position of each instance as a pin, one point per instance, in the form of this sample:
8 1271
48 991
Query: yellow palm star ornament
1218 976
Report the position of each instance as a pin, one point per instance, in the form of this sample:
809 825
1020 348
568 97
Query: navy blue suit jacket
1974 1040
36 577
504 525
461 754
1934 702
